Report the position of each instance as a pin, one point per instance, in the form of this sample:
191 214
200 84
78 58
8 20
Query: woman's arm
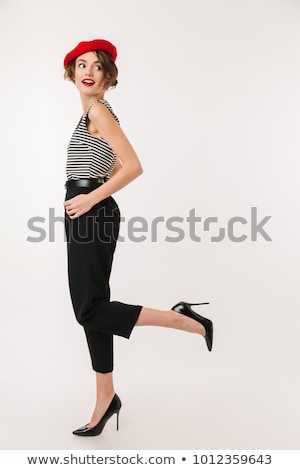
125 172
117 167
112 133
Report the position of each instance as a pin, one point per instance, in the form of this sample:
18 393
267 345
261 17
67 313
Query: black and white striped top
89 156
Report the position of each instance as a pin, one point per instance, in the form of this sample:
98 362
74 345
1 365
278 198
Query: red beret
87 46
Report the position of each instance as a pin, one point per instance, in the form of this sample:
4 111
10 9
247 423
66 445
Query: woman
100 162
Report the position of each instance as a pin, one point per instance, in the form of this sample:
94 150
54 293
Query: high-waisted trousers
91 242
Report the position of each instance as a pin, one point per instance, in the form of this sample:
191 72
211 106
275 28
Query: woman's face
89 76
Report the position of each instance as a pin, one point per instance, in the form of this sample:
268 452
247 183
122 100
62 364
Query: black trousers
91 242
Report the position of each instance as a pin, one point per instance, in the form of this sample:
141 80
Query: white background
208 94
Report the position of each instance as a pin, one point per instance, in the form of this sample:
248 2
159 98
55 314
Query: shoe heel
201 303
118 420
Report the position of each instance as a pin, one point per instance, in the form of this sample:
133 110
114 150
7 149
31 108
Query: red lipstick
88 82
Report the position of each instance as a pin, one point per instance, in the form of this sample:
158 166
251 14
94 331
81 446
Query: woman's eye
81 65
98 67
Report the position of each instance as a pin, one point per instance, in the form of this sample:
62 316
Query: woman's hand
78 205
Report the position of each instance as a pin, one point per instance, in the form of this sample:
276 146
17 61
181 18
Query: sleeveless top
89 156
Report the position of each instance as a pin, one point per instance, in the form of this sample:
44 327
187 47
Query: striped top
89 156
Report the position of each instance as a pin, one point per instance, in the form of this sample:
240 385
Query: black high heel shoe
114 408
185 309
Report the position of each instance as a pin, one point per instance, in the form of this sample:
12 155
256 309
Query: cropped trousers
91 242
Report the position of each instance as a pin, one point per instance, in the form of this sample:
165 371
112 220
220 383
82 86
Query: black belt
84 183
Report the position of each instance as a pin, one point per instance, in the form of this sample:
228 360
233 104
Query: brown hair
109 69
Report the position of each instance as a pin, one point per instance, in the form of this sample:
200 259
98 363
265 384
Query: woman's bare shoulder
100 115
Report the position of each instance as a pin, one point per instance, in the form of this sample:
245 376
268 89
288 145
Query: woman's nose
89 71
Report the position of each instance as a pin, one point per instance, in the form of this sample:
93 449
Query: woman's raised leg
169 319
